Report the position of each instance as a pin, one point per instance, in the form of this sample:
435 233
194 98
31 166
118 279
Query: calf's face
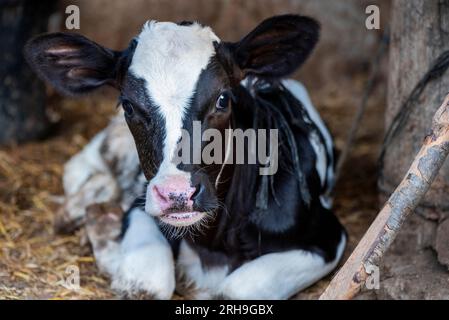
171 76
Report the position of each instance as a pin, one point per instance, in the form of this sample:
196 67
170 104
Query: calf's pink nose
174 193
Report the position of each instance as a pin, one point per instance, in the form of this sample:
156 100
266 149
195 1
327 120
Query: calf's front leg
140 263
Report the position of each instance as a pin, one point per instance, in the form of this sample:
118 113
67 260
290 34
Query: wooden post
369 252
418 260
419 34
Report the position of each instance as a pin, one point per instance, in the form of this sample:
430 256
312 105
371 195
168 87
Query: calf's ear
71 63
274 49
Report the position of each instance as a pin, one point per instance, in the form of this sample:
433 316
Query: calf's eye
222 101
127 107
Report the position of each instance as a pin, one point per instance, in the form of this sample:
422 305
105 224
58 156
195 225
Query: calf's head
170 76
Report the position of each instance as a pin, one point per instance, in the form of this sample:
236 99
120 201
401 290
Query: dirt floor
33 259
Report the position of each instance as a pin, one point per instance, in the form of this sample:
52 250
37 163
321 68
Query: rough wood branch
369 252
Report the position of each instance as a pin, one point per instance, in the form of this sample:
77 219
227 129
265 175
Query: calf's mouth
182 218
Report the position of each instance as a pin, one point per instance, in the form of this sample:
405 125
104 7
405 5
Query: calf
220 229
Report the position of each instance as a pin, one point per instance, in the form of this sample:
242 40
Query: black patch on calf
185 23
212 81
124 63
146 124
242 231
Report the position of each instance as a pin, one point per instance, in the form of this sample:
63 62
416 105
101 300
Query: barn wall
345 47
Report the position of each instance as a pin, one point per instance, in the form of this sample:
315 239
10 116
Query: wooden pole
369 252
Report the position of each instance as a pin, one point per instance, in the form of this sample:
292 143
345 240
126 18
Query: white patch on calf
146 263
87 179
278 276
170 58
83 165
104 171
324 166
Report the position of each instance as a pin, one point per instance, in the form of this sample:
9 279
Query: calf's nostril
197 192
160 195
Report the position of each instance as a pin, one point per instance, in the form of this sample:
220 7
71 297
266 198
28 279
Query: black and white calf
252 236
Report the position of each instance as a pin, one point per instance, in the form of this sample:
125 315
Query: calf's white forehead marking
170 58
